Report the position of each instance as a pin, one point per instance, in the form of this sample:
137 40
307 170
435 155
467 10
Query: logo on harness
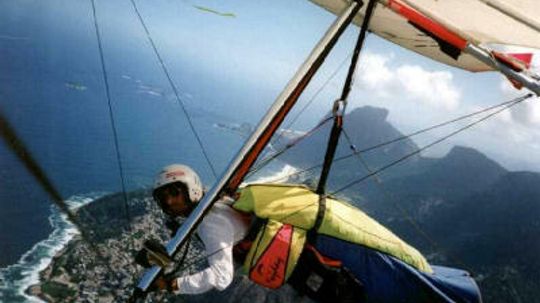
270 267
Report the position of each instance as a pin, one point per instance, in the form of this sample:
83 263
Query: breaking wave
16 278
275 172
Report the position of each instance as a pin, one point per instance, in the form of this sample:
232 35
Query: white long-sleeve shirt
220 229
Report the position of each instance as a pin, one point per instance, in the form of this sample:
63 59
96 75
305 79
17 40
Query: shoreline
34 290
75 274
22 277
28 269
59 276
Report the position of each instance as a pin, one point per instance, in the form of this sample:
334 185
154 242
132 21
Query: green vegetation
139 234
57 290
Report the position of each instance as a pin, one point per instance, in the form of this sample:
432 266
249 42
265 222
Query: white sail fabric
483 22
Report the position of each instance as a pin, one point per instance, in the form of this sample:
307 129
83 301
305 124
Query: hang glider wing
412 24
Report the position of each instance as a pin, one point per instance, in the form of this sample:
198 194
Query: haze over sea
52 92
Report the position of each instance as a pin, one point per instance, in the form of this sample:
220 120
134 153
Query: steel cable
519 99
111 113
393 163
175 89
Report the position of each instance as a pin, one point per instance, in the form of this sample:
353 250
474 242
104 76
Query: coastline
21 277
35 290
73 273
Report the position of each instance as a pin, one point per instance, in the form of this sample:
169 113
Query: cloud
420 96
374 72
411 82
432 88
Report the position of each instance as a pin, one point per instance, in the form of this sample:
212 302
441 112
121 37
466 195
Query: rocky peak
369 114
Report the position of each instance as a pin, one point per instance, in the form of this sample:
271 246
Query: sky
234 57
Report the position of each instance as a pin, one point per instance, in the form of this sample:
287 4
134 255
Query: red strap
323 259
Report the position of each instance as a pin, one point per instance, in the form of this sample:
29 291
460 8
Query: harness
275 253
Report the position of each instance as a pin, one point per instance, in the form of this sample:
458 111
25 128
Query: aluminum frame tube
484 56
306 71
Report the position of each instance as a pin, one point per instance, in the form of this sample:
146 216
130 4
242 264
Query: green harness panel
297 205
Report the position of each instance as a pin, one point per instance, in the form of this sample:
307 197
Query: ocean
52 91
16 278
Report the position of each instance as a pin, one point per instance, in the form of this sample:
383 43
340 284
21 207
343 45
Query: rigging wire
373 173
273 156
408 217
111 115
175 89
395 162
18 147
408 135
113 126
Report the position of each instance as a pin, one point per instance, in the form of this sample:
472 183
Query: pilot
177 190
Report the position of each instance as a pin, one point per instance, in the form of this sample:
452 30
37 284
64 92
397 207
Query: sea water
16 278
52 92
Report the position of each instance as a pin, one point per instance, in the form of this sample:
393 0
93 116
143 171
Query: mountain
463 209
502 220
366 127
461 173
496 232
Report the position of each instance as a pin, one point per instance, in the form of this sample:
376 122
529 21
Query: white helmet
183 174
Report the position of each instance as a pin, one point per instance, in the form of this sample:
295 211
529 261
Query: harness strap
340 104
312 233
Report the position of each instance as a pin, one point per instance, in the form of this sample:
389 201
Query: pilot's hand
153 253
162 283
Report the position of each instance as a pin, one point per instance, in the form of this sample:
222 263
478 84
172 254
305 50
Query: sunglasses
171 190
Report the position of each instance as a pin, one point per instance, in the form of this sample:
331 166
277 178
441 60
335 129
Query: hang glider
441 30
474 35
458 33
